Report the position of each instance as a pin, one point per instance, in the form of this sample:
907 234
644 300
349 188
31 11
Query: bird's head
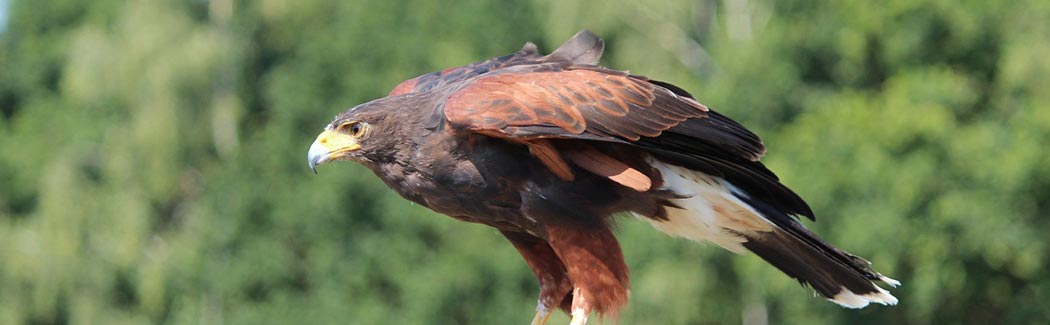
357 134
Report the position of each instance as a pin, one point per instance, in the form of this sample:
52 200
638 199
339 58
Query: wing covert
570 102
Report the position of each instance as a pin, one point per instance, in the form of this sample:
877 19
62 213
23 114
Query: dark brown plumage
547 148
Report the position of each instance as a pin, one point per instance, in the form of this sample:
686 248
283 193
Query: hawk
548 149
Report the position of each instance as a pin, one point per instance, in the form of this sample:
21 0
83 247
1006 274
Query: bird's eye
355 129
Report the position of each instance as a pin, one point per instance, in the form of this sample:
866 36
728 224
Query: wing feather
594 100
529 99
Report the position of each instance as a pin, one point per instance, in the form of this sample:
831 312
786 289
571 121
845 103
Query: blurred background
152 158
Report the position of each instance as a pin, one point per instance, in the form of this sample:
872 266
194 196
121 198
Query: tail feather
712 209
843 284
839 276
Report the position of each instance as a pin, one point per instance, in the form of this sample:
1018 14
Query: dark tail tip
838 276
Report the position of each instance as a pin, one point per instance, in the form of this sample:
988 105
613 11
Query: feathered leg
554 280
595 265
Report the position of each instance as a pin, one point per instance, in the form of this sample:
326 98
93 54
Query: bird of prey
548 148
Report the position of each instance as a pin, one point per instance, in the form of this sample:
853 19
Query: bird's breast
479 183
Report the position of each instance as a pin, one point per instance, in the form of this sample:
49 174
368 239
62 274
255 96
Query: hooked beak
330 146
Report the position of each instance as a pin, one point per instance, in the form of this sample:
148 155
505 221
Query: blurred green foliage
153 165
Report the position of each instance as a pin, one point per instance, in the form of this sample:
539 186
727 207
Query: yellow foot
542 314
